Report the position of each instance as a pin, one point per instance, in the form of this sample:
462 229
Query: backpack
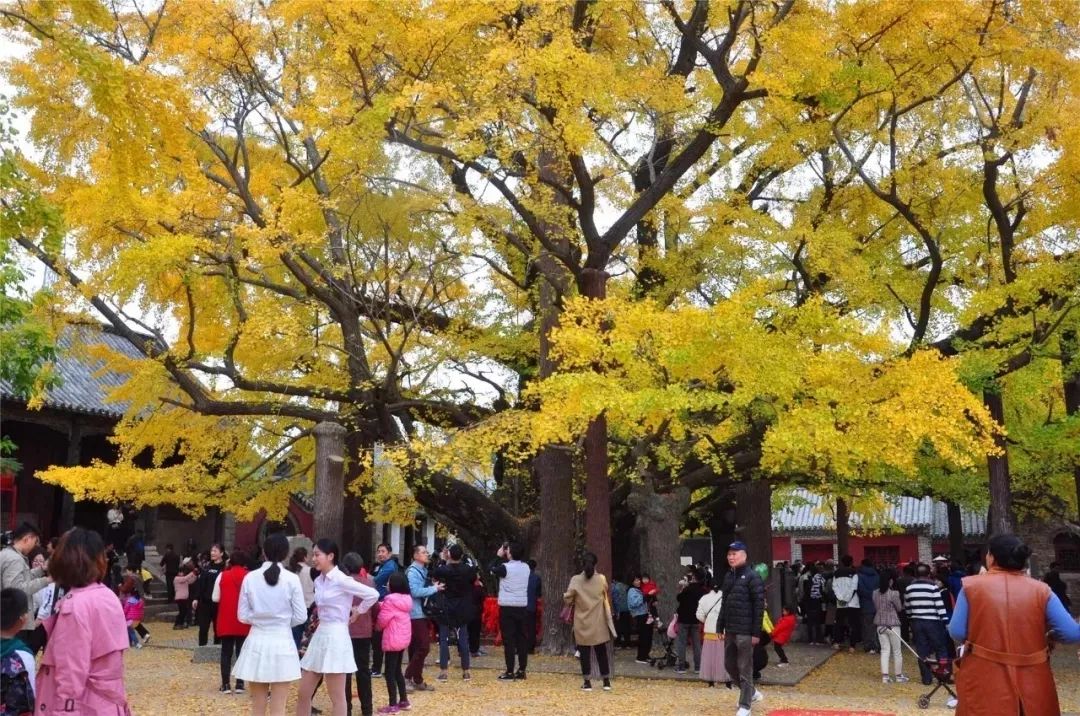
844 588
15 685
434 607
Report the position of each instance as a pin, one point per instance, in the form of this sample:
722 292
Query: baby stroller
941 669
662 655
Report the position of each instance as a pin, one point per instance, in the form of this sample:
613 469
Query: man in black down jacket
739 624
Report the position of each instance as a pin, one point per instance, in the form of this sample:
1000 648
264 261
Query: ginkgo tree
406 218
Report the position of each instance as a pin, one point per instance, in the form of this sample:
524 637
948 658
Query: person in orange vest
1002 618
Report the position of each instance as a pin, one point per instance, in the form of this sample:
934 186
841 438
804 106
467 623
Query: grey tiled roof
974 521
83 387
805 513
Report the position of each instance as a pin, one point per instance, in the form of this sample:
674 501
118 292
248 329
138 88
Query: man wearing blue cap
739 624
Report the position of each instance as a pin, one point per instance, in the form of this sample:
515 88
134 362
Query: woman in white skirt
272 602
329 654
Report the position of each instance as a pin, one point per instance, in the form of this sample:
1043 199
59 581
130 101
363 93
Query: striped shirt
922 599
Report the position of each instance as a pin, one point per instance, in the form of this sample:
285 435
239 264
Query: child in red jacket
781 633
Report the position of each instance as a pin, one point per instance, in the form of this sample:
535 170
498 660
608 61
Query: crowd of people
324 620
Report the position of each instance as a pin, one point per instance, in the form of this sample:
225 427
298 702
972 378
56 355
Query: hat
737 546
939 558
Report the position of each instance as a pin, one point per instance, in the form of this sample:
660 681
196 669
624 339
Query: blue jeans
462 632
930 636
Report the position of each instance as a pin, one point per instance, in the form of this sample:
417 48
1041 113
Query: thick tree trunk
657 525
329 480
554 470
1070 375
753 513
597 481
956 531
843 527
1002 518
722 527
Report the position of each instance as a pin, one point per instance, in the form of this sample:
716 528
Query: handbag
567 614
673 626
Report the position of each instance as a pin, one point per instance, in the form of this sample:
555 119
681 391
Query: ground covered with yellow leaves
164 681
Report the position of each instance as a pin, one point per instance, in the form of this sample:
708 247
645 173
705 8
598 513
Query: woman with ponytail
593 624
272 602
1002 617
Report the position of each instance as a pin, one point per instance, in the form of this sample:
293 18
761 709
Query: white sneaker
758 696
951 703
901 679
742 712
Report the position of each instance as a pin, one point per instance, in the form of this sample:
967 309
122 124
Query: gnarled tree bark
658 518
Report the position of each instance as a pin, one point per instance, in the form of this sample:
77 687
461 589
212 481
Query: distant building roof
84 386
974 521
806 513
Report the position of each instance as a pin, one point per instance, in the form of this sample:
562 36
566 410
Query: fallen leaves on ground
164 681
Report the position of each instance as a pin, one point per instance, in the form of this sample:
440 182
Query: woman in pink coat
82 670
396 626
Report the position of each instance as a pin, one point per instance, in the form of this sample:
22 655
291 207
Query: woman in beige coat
593 625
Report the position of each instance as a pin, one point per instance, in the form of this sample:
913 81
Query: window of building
1067 552
882 555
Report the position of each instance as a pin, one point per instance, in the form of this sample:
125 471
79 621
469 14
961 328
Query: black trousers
474 636
376 652
644 637
849 625
183 612
624 627
170 588
930 637
361 649
814 617
205 616
601 660
530 632
780 653
512 625
395 677
230 648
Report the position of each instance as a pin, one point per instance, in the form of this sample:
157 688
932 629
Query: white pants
890 646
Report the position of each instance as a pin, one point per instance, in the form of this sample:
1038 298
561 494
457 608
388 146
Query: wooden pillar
843 528
73 458
396 545
429 533
329 480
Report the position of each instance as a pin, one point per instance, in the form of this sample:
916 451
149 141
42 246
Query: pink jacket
82 670
181 582
394 622
133 609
